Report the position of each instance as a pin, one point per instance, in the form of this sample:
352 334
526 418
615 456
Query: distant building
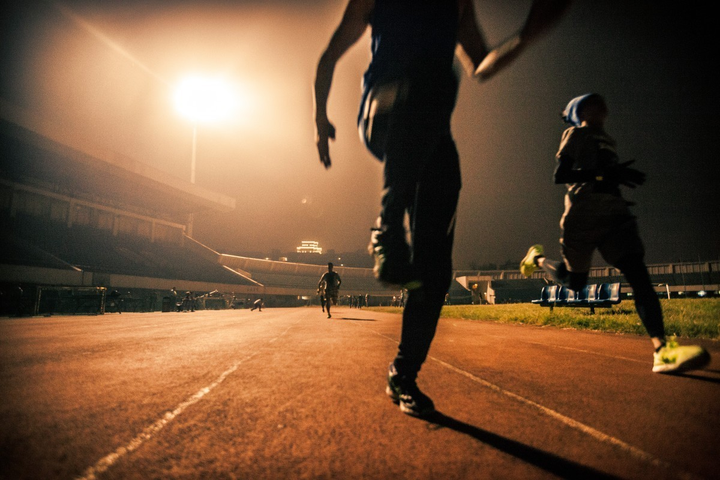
309 246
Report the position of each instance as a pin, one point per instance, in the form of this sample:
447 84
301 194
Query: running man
330 283
257 305
409 93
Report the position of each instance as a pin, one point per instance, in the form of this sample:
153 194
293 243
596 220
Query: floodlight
205 99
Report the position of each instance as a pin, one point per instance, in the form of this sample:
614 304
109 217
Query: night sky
108 69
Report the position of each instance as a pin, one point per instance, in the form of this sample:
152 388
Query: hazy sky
108 69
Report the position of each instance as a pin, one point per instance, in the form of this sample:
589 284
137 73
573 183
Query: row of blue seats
593 295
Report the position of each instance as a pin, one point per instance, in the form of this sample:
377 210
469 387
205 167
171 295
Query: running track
288 393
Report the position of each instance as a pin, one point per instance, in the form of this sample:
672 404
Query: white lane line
590 352
596 434
150 431
574 349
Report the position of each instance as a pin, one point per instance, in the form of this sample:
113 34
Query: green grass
693 318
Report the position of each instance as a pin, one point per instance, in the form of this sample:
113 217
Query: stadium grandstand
83 228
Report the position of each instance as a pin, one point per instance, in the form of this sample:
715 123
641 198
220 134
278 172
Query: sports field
692 318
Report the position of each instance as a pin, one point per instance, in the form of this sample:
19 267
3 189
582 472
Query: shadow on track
546 461
699 377
357 319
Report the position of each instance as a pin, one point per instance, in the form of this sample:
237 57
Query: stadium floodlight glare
205 99
202 100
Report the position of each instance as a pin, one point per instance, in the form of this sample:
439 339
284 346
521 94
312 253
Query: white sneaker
528 265
672 358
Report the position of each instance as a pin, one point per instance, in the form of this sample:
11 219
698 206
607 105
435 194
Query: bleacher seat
591 296
544 295
607 292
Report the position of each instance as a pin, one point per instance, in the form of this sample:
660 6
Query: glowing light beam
95 32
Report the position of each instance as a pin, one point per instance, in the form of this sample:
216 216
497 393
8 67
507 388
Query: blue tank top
414 40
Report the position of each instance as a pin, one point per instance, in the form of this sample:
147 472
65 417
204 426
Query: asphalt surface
288 393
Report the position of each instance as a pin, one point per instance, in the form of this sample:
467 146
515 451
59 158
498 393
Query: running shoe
404 392
392 260
672 358
528 265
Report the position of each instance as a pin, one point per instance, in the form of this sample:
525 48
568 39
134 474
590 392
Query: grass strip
691 318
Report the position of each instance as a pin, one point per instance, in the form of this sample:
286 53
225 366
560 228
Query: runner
330 282
597 217
409 93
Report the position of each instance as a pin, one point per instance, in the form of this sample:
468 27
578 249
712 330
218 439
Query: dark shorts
331 297
615 237
406 108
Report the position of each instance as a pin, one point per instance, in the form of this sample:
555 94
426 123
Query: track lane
309 403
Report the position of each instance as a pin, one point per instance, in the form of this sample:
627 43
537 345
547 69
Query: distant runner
330 282
257 304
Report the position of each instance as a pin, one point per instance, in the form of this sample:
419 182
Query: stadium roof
37 151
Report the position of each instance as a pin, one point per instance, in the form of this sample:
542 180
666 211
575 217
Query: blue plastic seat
608 293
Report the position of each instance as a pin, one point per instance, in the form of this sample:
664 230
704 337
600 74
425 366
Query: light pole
193 158
193 163
202 100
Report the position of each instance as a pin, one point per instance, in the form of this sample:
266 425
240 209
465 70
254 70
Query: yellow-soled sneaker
528 265
673 358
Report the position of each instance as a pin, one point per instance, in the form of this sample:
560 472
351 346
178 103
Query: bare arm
352 26
543 16
472 48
